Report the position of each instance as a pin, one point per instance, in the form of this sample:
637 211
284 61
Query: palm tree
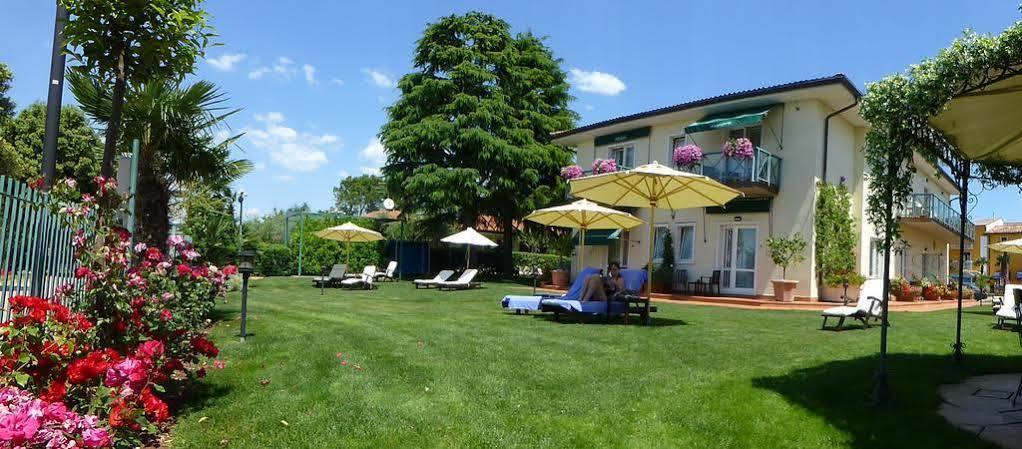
177 128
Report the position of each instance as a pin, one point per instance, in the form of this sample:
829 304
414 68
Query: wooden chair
705 284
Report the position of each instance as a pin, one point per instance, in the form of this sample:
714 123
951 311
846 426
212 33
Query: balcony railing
762 168
928 205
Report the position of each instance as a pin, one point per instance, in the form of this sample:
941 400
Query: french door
738 251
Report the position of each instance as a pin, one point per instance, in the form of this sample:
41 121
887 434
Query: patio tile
982 405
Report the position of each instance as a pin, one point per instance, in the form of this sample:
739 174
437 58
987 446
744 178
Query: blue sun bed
520 303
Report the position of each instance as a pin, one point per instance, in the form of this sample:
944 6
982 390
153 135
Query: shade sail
743 117
1010 246
469 237
349 232
653 184
986 125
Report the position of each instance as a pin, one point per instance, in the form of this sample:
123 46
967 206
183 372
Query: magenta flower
571 172
688 155
740 148
604 166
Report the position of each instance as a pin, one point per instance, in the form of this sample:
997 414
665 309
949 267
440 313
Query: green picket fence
36 255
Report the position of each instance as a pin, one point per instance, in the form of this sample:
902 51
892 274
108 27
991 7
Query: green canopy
599 236
732 119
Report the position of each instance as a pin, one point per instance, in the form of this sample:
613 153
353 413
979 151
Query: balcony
759 176
928 213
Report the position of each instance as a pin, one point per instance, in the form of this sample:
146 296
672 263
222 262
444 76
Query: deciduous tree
357 195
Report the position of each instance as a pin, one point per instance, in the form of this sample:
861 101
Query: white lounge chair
1009 310
443 275
365 280
335 276
869 306
388 274
464 281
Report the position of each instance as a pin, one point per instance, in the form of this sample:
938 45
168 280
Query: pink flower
571 172
219 364
18 427
81 272
175 240
740 148
128 371
166 315
604 166
70 182
140 247
167 296
688 155
96 437
190 254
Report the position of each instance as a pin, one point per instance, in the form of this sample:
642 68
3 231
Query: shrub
318 254
525 262
835 231
785 251
275 259
663 274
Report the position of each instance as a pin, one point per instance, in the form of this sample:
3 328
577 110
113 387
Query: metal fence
36 255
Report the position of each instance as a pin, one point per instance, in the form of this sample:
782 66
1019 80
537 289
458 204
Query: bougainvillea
27 421
740 148
571 172
688 155
604 166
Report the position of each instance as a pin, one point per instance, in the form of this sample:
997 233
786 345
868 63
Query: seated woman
599 288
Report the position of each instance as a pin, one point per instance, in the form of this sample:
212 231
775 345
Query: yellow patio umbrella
1010 246
653 186
584 214
349 232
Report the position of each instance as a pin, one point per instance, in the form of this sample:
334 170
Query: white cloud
283 68
374 153
380 78
226 61
259 166
369 170
287 147
284 60
253 212
283 178
595 82
343 174
258 73
310 74
337 81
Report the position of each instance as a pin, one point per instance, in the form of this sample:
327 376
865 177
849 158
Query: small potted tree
562 245
849 283
786 251
663 274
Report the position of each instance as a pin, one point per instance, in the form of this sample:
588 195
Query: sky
313 77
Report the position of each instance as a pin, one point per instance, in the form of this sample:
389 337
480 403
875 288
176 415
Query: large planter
784 289
560 278
833 294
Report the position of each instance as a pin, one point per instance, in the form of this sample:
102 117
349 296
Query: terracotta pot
784 289
560 278
833 294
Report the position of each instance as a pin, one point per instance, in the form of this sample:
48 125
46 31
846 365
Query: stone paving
983 405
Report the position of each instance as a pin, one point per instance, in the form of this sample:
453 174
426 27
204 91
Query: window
676 142
686 243
876 259
623 156
658 247
753 133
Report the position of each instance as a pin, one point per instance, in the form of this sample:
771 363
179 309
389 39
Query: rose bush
135 342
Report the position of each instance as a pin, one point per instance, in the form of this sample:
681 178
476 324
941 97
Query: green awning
732 119
598 237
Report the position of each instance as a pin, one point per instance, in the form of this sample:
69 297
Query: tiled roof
804 84
985 221
1007 228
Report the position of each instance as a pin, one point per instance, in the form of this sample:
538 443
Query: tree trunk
506 256
113 126
152 202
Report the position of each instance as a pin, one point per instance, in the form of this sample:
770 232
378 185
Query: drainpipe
826 133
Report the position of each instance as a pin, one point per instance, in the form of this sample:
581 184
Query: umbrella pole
649 263
347 257
582 251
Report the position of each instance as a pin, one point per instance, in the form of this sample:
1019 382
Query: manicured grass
452 369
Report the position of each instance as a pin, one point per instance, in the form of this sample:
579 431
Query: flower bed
107 371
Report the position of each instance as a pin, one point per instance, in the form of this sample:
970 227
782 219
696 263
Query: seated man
599 288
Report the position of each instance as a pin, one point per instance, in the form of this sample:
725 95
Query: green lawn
452 369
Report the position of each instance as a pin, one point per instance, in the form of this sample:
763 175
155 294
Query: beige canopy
985 124
1010 246
584 214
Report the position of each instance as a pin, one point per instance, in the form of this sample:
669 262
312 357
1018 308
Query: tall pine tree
470 133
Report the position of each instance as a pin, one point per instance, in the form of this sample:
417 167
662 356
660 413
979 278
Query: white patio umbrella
1010 246
349 232
469 237
584 214
653 186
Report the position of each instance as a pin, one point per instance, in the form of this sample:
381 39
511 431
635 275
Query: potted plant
848 282
604 166
740 148
688 157
786 251
663 274
562 245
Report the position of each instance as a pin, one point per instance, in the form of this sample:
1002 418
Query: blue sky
313 79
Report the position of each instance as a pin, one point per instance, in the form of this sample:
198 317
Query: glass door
738 259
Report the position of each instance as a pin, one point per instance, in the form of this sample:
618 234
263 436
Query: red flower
153 254
92 366
230 270
56 391
81 323
166 315
36 183
121 415
173 365
183 270
155 409
81 272
152 349
204 347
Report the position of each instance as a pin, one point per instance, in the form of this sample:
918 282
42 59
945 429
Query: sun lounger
364 281
443 275
388 274
1009 311
620 304
869 306
335 276
526 303
464 281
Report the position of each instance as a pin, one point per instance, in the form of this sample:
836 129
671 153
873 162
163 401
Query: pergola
961 110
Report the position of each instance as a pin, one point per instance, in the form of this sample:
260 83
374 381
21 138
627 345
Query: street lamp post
241 218
246 266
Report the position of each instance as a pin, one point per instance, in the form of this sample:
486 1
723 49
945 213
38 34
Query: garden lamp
246 266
